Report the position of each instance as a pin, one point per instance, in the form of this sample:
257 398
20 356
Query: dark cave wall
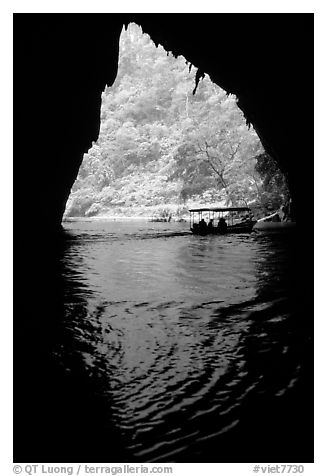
63 62
61 65
266 60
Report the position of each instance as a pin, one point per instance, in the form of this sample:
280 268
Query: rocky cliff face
63 62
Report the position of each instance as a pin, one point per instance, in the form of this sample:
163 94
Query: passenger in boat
210 226
203 226
222 225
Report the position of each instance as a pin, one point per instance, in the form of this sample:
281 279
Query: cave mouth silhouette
152 86
59 74
64 57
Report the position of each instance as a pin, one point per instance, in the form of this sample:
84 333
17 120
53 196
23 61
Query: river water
189 342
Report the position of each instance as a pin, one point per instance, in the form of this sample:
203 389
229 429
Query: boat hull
237 228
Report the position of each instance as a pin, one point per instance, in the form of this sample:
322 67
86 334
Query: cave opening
170 139
95 316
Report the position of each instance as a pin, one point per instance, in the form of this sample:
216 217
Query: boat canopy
221 209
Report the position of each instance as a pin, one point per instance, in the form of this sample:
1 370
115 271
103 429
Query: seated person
210 226
203 226
222 225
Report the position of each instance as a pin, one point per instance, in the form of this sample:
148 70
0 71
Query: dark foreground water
176 347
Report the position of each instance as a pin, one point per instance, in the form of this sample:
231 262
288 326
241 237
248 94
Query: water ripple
180 333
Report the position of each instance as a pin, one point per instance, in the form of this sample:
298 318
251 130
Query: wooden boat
206 221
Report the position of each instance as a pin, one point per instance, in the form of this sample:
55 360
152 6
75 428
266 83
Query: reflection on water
178 347
188 340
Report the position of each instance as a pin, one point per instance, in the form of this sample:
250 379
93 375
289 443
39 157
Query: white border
284 6
160 6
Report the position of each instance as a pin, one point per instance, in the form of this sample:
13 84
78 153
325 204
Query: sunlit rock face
63 62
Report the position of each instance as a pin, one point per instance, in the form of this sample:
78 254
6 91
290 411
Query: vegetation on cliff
162 148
